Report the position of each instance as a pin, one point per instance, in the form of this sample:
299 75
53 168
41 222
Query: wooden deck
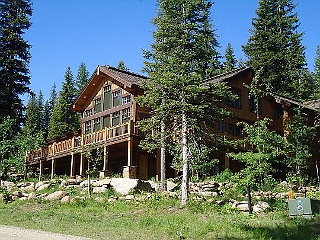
77 144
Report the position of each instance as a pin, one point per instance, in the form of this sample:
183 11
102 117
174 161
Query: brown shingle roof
130 77
226 76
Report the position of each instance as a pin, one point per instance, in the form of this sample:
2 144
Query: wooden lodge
109 115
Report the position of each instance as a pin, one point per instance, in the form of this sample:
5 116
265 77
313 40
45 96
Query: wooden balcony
107 136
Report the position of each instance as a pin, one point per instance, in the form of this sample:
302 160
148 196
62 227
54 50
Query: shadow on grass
302 229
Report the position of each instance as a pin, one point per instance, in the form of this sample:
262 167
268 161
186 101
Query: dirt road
15 233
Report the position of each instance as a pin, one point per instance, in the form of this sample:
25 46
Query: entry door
143 167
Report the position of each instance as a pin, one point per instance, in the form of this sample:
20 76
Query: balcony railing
77 142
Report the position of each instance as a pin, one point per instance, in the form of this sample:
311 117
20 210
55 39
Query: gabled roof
289 101
228 75
119 77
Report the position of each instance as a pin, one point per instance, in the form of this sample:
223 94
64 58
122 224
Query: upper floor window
97 105
278 112
88 113
87 127
222 127
236 103
116 98
107 97
125 115
126 99
96 124
116 118
235 130
253 105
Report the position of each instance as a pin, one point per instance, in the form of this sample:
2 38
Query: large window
125 115
116 118
116 98
106 97
96 124
106 121
253 105
97 105
236 103
222 127
126 99
235 130
87 127
278 112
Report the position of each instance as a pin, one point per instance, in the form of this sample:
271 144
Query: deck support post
105 158
81 164
41 169
130 151
53 168
72 170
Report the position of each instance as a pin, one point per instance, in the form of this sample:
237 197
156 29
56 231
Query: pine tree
31 125
230 59
122 66
183 54
53 98
275 47
82 78
63 119
316 72
14 57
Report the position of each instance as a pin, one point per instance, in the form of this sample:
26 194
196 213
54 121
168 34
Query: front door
143 167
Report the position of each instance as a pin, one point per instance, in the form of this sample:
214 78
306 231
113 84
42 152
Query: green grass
156 218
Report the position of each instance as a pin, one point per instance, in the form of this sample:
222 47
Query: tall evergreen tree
31 125
275 47
53 98
316 72
82 78
63 119
14 57
122 66
183 54
230 59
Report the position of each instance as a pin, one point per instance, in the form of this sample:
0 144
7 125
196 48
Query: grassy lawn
156 218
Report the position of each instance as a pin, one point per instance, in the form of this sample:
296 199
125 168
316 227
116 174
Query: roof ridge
124 71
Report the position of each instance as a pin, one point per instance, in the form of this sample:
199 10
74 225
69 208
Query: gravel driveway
16 233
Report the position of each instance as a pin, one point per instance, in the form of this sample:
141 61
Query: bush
224 176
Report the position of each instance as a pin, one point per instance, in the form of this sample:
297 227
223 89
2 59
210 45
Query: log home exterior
108 120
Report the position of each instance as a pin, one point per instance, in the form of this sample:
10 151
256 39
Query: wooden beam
72 170
53 168
105 158
81 164
130 151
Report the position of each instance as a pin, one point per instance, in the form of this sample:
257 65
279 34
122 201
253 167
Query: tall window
126 99
106 121
222 127
236 103
96 124
116 118
253 105
106 97
235 130
125 115
87 127
116 98
278 112
97 105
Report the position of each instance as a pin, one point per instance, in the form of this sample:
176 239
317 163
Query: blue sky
98 32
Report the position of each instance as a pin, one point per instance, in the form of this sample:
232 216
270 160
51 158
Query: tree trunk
163 158
185 170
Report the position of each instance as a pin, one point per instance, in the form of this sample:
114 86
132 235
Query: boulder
43 187
56 196
63 183
129 197
243 207
8 185
209 194
99 189
72 181
65 199
17 194
260 206
125 186
32 195
39 184
29 188
171 186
